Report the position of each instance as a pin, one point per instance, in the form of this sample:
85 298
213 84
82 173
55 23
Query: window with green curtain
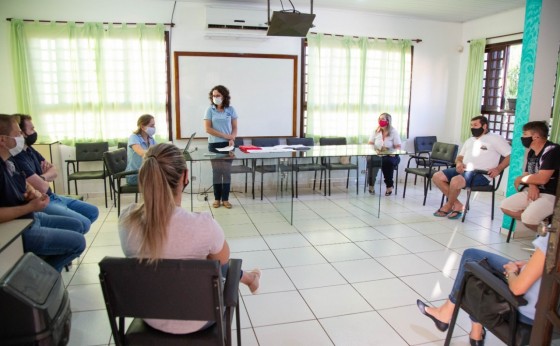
353 80
89 82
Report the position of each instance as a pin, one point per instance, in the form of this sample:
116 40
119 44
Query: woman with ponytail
159 228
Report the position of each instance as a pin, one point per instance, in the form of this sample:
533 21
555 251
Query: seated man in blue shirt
39 172
52 237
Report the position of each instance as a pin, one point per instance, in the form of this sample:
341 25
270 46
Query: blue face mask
151 131
217 100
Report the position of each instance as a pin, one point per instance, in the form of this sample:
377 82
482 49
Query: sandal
455 214
254 286
389 191
441 213
216 204
226 204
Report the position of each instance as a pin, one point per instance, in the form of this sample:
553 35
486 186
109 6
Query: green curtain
353 80
473 86
89 82
555 133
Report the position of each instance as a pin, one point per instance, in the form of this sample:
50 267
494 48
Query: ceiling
457 11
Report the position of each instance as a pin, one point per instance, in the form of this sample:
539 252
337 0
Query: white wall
438 67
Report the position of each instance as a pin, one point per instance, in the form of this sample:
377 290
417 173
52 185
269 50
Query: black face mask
526 141
477 132
31 139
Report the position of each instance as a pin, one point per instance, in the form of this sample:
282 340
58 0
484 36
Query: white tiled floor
339 276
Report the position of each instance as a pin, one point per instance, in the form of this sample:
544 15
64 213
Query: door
548 311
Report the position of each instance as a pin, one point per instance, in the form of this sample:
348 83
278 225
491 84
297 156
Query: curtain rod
506 35
65 21
417 40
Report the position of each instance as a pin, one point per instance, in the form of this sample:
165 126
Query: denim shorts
479 179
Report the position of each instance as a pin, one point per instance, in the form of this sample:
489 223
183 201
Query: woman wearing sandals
220 122
385 137
160 228
524 278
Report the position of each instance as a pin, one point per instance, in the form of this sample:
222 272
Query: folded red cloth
246 148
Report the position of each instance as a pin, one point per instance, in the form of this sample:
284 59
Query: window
499 91
92 82
350 81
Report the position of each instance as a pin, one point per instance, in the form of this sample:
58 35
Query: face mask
217 100
151 131
20 141
383 123
526 141
31 139
477 132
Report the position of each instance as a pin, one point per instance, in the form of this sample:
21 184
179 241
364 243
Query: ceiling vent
239 19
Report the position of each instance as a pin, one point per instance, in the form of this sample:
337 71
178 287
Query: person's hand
460 168
40 203
494 172
45 166
231 142
30 193
511 267
533 194
517 182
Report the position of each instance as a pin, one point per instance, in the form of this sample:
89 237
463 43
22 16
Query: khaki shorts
533 211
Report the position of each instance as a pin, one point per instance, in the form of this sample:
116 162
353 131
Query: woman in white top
160 228
385 137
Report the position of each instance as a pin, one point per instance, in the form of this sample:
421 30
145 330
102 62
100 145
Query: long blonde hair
160 175
389 119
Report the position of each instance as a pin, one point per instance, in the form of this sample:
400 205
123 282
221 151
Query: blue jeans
221 173
63 206
55 239
474 255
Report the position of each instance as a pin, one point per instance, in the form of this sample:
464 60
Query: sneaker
371 190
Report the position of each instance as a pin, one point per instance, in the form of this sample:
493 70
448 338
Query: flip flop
441 213
455 214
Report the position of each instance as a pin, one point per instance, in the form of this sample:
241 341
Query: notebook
186 150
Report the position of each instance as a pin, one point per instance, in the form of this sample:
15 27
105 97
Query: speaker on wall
292 24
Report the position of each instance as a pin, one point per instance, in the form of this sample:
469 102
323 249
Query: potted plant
512 84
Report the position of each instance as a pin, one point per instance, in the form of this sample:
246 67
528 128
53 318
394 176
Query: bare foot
254 284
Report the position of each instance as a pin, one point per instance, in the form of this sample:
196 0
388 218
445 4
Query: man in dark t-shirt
538 183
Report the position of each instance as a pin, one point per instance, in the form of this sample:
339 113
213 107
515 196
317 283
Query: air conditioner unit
234 18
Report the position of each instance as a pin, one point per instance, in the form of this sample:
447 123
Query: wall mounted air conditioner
232 18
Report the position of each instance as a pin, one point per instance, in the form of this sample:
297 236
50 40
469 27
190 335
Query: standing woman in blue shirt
138 143
220 122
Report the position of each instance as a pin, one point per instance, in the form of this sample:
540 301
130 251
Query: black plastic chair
262 168
442 154
175 289
87 152
244 167
302 165
116 161
508 329
337 166
423 148
492 188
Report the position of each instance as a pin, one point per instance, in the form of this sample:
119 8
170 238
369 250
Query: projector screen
263 90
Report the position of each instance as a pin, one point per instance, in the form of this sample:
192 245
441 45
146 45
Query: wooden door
547 316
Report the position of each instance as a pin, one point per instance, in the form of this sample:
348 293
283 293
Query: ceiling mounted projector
289 22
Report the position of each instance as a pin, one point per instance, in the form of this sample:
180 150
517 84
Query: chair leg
245 182
76 186
511 228
262 184
105 190
405 180
467 205
492 205
396 180
119 204
425 189
357 181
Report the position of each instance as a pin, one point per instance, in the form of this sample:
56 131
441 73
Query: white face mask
151 131
217 100
20 141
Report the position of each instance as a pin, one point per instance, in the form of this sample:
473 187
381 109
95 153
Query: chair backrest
91 151
122 145
332 141
238 141
175 289
445 152
424 144
308 142
265 142
115 161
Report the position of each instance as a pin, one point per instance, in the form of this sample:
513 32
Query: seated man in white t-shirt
480 152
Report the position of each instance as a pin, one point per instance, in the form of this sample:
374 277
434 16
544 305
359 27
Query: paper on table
230 148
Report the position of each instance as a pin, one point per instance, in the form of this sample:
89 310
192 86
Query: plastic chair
262 168
244 167
337 166
176 289
87 152
423 148
115 161
302 165
507 328
442 154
